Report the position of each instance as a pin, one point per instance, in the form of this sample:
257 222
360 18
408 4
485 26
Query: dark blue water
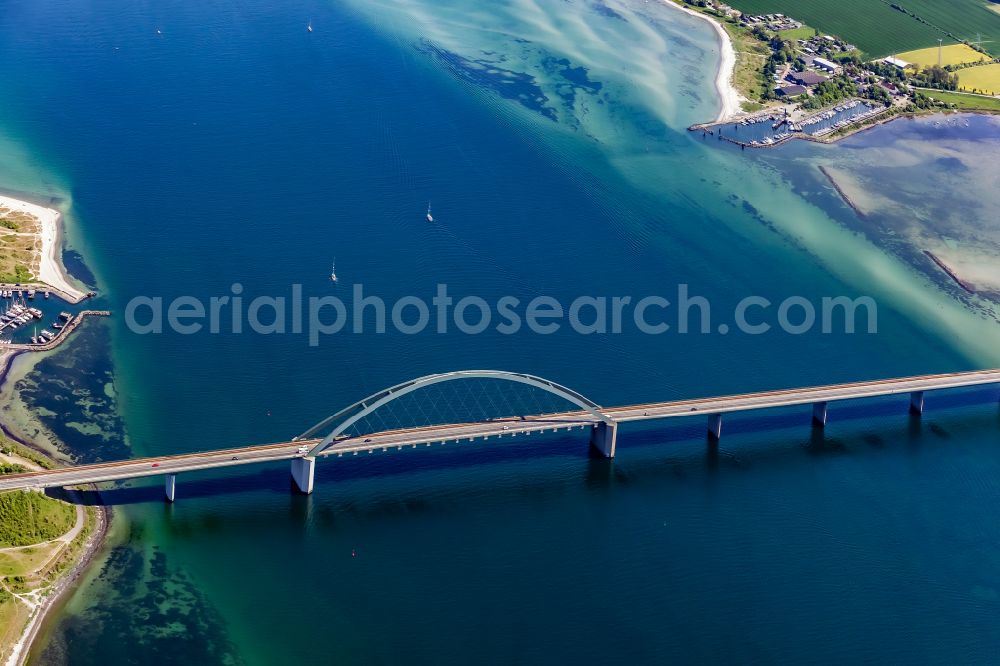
233 146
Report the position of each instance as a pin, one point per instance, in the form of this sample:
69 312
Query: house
791 91
806 78
896 62
826 65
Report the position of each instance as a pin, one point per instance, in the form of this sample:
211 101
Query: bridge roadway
713 407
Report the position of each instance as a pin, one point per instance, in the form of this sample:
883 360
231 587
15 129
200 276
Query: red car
156 464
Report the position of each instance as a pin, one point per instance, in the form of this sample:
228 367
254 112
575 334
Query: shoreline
56 594
729 97
51 272
51 275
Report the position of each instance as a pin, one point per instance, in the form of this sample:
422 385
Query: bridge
350 431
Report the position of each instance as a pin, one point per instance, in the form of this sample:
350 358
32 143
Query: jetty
29 289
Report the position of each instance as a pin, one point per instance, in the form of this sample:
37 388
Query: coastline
51 274
50 269
729 98
57 593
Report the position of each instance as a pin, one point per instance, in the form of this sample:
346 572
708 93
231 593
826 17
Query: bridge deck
465 432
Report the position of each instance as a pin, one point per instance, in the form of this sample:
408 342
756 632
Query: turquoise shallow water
233 146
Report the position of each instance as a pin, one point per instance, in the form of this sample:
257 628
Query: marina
28 320
770 129
47 339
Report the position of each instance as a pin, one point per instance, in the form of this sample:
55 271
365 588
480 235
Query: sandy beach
728 95
50 269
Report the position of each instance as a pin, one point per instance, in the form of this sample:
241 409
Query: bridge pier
303 471
715 425
170 487
819 414
603 437
917 402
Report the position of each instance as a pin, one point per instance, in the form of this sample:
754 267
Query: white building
897 63
826 65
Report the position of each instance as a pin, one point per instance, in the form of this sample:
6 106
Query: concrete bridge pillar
819 414
917 402
170 487
603 438
715 425
303 470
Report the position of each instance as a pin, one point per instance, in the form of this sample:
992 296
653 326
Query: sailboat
333 271
430 218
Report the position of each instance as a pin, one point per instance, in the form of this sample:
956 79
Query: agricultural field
983 78
953 54
963 19
878 29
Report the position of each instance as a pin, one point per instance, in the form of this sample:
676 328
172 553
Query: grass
13 448
966 102
879 30
17 250
751 54
29 517
805 32
983 78
953 54
26 561
13 615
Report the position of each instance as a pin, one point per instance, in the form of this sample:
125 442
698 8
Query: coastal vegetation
28 517
29 573
19 245
11 448
958 100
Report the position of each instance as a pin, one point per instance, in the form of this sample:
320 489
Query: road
462 433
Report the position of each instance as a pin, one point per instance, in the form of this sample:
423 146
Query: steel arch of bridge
362 408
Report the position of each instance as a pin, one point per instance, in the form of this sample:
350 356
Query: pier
42 288
328 438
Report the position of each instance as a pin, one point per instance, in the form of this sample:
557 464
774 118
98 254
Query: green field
879 30
953 54
968 102
805 32
982 78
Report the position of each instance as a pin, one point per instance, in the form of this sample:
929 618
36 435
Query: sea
206 149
